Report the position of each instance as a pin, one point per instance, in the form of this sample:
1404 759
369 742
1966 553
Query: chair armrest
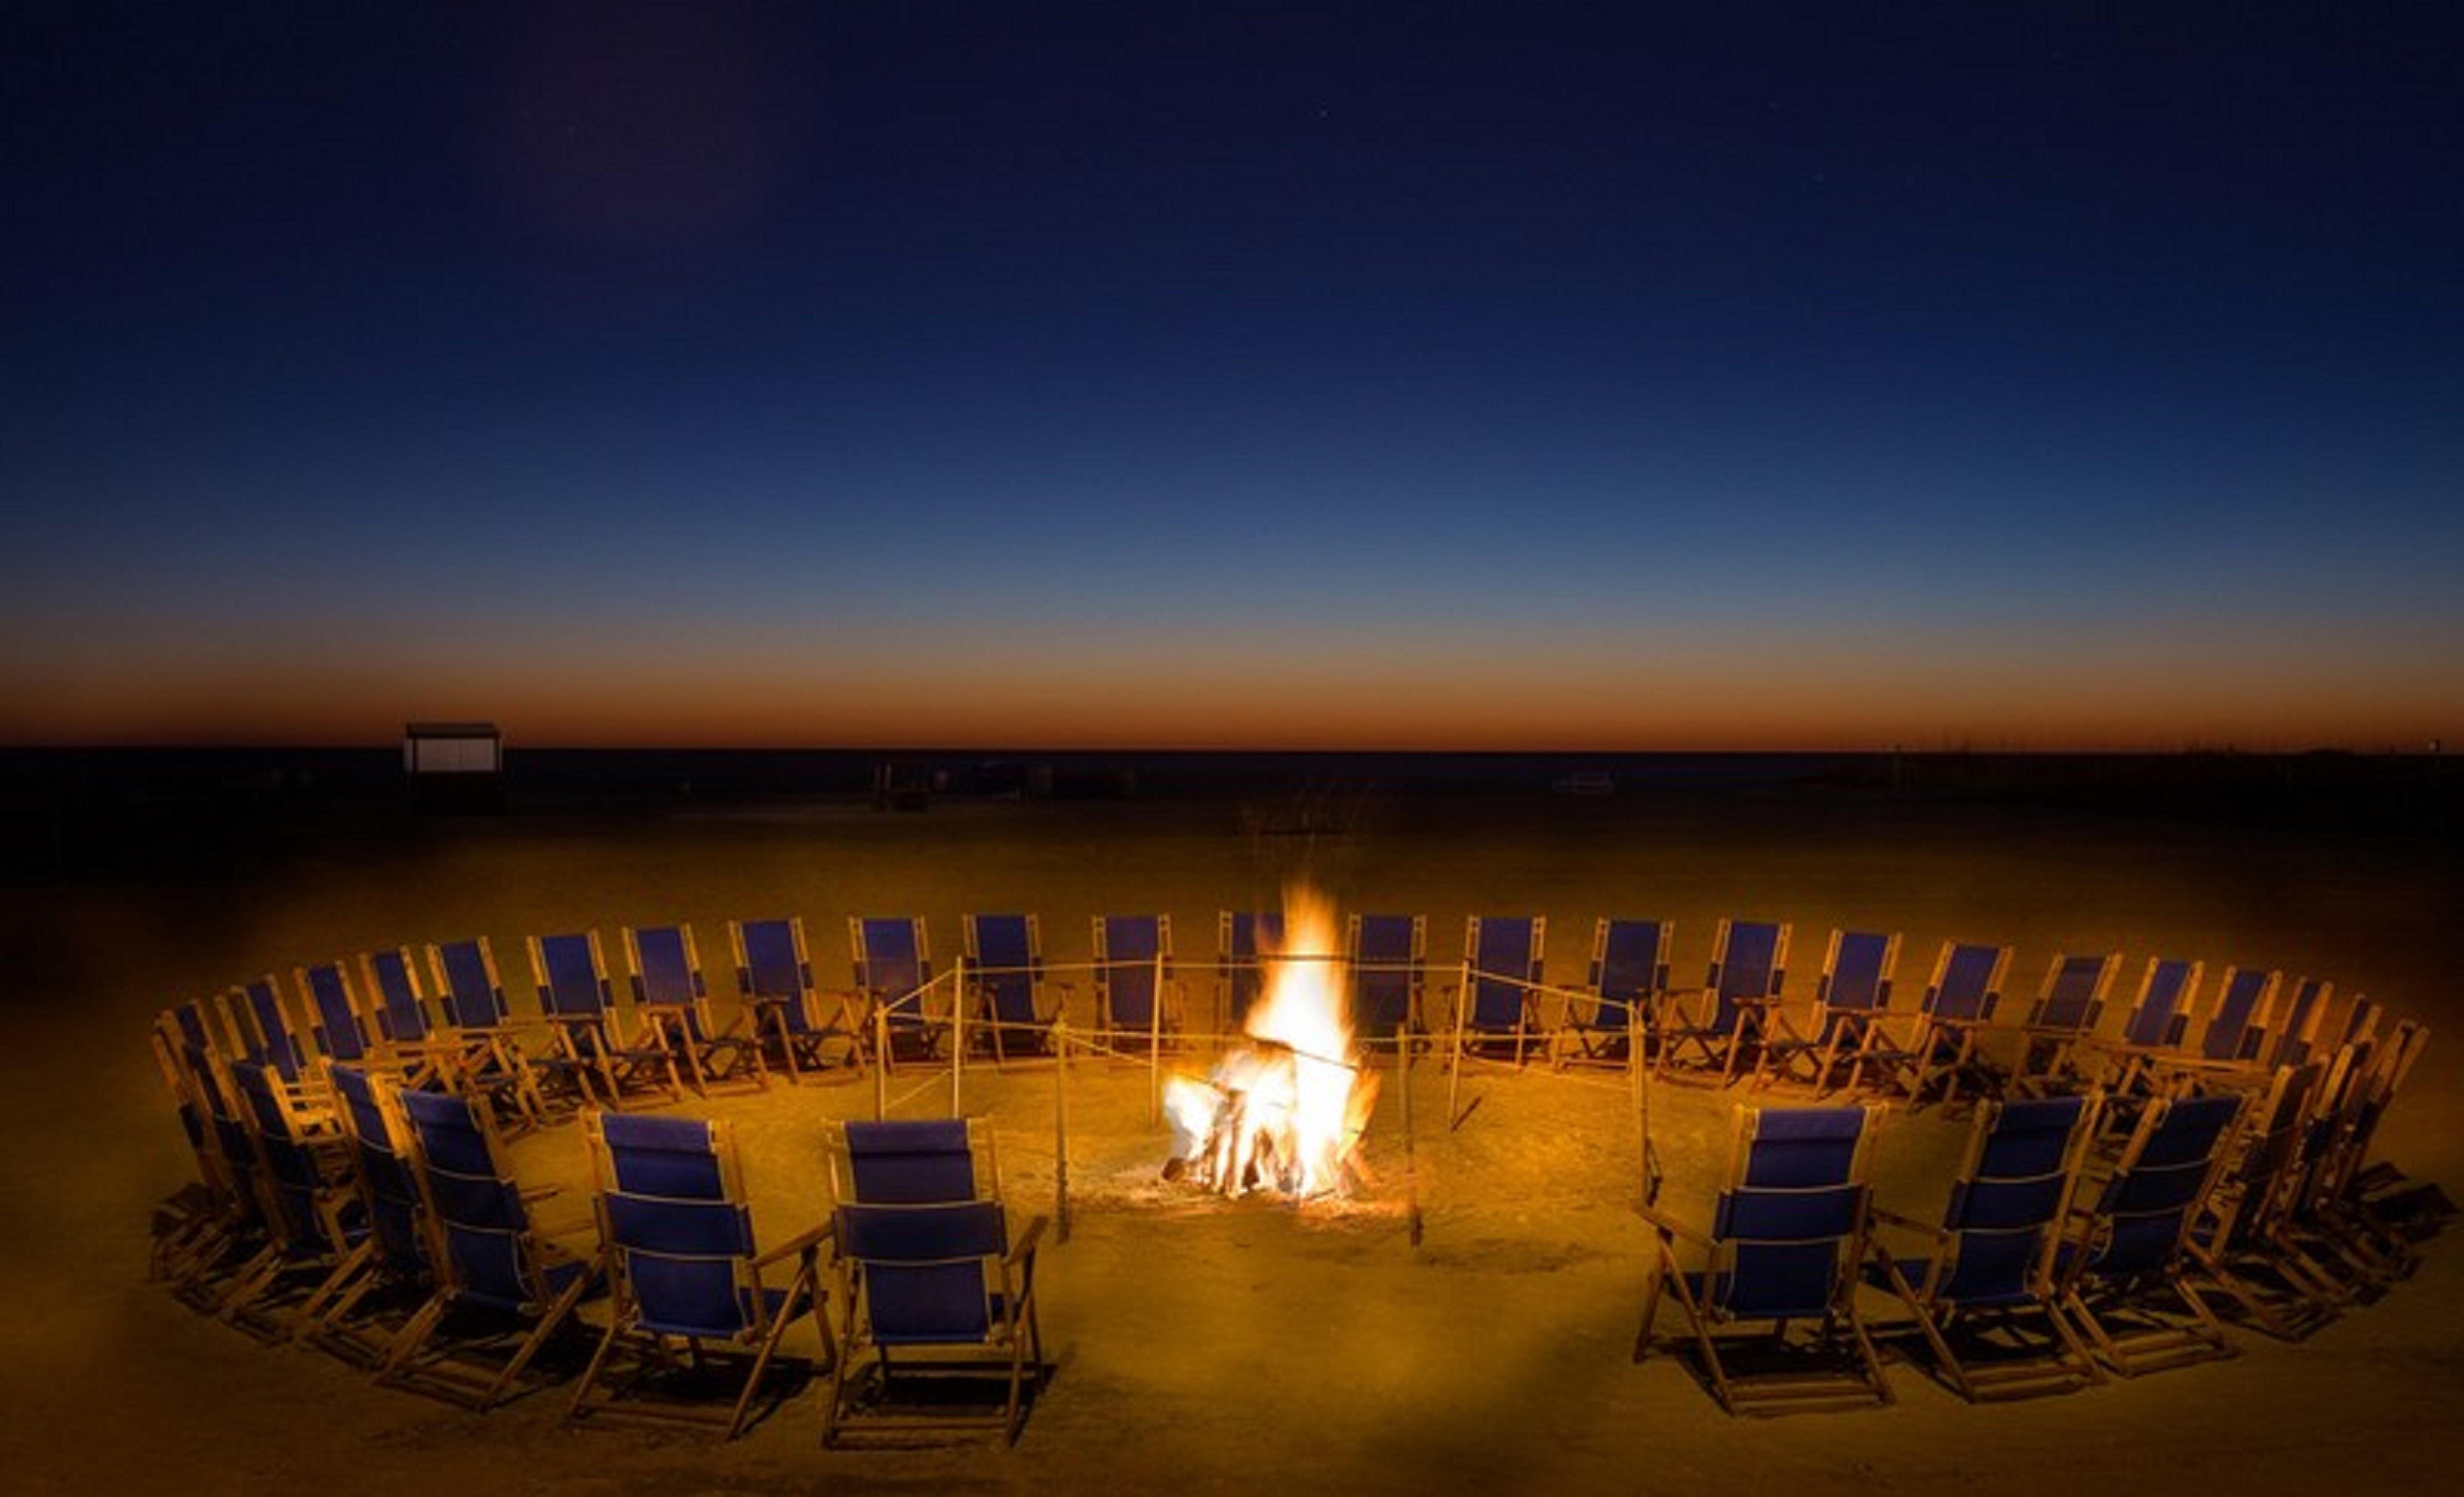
1932 1230
801 1242
1671 1226
1023 1249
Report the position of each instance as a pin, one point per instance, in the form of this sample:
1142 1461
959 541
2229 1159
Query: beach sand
1209 1345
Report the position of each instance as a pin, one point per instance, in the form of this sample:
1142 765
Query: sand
1204 1344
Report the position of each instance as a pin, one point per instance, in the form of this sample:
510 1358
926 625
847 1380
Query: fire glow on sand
1286 1111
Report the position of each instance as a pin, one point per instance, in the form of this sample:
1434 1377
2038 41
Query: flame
1289 1110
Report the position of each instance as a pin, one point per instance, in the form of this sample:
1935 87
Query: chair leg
580 1405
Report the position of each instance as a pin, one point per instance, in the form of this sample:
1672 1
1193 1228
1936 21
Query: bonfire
1284 1109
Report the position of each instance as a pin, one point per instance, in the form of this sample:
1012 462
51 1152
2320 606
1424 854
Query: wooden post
1061 1129
957 1035
1642 1083
1154 1045
1454 1062
1411 1171
881 1062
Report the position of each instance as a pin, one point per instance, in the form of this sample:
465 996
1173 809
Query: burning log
1285 1111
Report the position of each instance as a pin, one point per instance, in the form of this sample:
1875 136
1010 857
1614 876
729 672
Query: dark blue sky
1516 375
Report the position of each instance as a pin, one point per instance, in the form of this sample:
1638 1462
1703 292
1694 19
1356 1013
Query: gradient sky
1174 373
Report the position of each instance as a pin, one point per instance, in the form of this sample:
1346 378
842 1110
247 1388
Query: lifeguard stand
455 766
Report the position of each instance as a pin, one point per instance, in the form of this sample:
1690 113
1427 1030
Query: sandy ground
1201 1344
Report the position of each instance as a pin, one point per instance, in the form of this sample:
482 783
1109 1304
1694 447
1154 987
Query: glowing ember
1286 1112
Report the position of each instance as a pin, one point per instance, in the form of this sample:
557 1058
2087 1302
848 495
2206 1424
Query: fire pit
1284 1111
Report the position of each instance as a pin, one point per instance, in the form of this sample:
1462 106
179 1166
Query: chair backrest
468 984
1504 956
666 967
1629 966
2161 1014
401 1008
893 965
2361 1023
224 1130
196 1027
265 1030
293 1182
772 962
381 1150
572 976
904 1161
1967 982
924 1267
2072 998
2296 1035
673 1213
2238 1026
1005 957
1385 955
339 1030
1132 959
1241 937
1789 1224
1748 964
2267 1172
2010 1196
2142 1214
1858 971
483 1250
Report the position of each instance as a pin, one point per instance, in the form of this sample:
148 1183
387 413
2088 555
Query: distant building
455 766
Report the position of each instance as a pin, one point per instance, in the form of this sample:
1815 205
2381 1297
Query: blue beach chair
893 970
1137 996
939 1300
1787 1230
1005 966
363 1321
2126 1279
685 1267
1386 956
2069 1004
1982 1293
504 1288
1741 993
1494 1008
1625 983
1849 1032
774 977
2152 1030
670 995
1953 1019
593 1054
490 1061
